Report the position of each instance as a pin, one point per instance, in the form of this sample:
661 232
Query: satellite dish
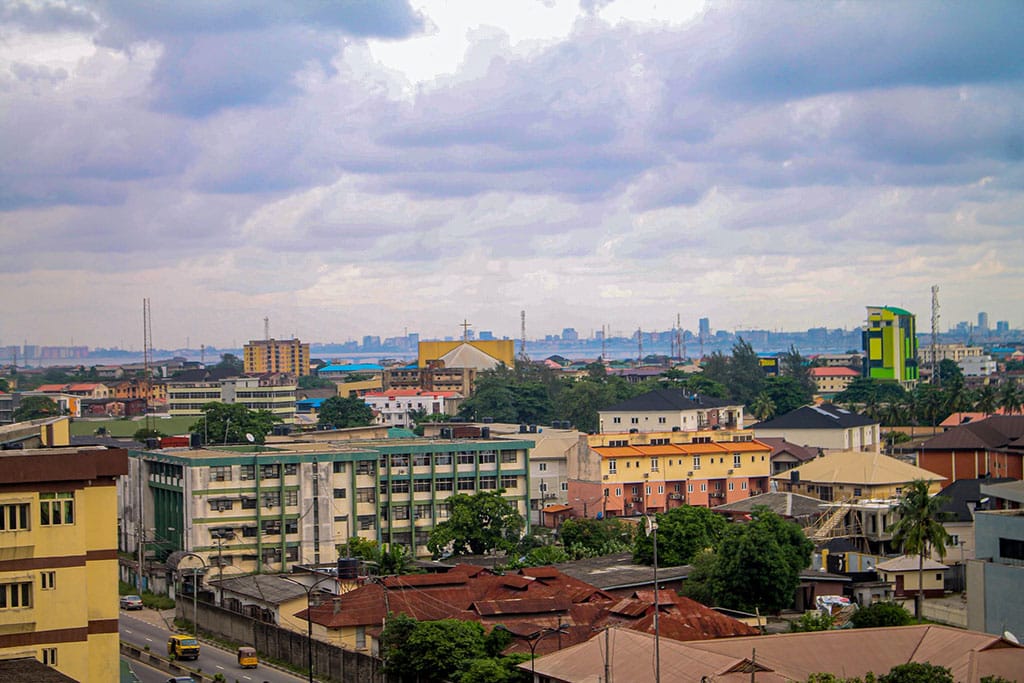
250 438
1010 637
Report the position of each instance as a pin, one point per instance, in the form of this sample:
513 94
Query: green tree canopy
477 524
919 529
315 382
683 532
746 378
881 614
917 672
593 537
796 367
388 559
863 390
230 422
786 394
341 412
431 650
36 407
230 361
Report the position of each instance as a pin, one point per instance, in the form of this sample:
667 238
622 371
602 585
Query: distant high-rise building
705 328
276 355
983 321
371 342
486 335
890 345
570 334
1002 326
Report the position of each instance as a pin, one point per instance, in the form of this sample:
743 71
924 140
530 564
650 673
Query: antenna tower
147 343
604 342
639 346
522 332
936 380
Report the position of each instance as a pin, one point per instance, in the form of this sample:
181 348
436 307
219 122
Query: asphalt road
211 660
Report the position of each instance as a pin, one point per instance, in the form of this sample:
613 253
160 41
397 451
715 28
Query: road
211 660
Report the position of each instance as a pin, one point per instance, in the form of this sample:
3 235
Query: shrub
811 621
881 614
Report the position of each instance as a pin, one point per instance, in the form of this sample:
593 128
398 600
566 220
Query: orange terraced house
639 473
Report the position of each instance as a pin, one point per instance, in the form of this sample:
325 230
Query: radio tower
936 380
147 342
604 343
639 346
522 331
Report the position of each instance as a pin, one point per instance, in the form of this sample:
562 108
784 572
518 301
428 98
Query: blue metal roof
352 367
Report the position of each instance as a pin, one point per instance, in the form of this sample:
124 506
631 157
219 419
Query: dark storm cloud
219 55
46 17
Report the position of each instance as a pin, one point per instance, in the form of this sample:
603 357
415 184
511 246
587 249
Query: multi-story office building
276 355
264 508
890 343
397 407
188 392
630 474
58 558
953 352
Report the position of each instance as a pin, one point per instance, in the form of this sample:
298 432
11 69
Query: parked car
181 679
131 602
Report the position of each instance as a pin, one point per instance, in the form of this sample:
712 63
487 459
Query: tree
231 362
35 408
683 532
786 393
698 583
477 524
230 422
4 386
880 614
949 372
745 376
811 621
431 650
763 406
755 565
594 537
1010 398
794 366
144 433
917 672
389 560
315 382
988 400
341 412
918 529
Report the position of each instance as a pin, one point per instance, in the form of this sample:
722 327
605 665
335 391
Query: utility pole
936 380
607 659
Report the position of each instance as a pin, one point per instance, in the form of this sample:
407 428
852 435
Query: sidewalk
162 619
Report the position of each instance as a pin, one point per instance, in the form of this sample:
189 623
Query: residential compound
263 508
58 557
189 391
824 426
276 356
638 473
398 407
890 344
665 410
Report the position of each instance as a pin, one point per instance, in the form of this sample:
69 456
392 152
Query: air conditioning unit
637 499
689 474
647 475
675 496
606 477
729 472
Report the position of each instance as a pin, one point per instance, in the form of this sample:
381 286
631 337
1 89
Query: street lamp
309 616
532 639
195 589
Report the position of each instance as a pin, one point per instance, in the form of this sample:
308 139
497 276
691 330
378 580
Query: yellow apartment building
58 558
276 355
638 473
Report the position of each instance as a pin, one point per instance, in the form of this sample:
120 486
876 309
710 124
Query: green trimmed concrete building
890 345
248 509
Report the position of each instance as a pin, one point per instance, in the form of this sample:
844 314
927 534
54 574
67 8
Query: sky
389 166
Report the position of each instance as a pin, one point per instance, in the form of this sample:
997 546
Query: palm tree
988 400
919 529
1010 398
763 406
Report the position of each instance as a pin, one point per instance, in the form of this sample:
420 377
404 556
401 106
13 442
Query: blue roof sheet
352 367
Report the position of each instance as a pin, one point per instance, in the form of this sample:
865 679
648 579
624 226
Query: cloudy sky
376 166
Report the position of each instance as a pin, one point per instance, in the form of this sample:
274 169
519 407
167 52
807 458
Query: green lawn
126 427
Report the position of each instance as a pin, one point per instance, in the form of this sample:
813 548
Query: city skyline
410 165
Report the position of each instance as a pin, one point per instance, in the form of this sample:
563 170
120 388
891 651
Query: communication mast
522 344
147 342
936 380
639 346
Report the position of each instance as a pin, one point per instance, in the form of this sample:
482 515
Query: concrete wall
330 663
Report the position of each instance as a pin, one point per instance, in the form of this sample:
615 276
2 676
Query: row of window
677 488
445 459
425 511
55 509
544 487
737 462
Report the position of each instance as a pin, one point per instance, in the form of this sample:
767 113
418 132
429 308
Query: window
248 472
291 469
465 458
703 487
291 498
400 460
661 488
636 490
421 460
899 490
338 467
543 487
654 464
612 467
661 420
221 504
421 485
291 526
360 637
270 471
743 485
400 512
367 522
954 540
14 595
49 656
689 488
938 577
292 554
14 517
488 482
56 508
466 484
634 420
677 487
271 499
542 466
48 580
443 511
696 462
1011 549
565 486
271 527
341 519
249 532
442 459
443 484
423 511
509 481
248 503
737 460
488 457
509 457
732 486
618 490
617 420
366 495
856 491
648 490
366 467
399 486
340 493
220 473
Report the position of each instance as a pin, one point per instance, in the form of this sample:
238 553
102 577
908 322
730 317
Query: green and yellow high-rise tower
890 345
